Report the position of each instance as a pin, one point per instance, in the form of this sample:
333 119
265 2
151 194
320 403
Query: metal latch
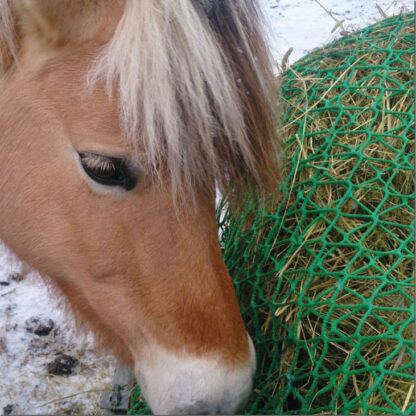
118 400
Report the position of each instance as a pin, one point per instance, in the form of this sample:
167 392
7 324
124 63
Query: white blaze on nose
185 385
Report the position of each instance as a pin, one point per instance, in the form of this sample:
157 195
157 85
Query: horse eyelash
98 163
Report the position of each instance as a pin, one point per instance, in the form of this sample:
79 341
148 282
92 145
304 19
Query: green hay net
324 276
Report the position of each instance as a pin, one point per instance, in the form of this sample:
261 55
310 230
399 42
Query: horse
119 121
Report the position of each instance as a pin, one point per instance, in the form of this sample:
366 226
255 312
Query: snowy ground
305 24
26 386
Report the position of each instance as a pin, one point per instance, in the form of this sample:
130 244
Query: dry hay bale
325 276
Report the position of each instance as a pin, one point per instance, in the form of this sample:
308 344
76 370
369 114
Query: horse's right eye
108 170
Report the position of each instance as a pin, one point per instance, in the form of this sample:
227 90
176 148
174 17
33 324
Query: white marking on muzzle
183 385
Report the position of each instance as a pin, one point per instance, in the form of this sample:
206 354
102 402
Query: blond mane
194 82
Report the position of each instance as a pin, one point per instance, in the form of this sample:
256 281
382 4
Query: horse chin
179 384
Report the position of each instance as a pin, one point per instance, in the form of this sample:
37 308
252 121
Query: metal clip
118 400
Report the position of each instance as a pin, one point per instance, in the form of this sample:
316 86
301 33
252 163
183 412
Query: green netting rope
325 276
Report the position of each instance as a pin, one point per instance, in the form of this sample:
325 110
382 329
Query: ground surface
29 342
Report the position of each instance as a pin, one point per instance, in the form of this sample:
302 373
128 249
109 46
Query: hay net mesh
325 276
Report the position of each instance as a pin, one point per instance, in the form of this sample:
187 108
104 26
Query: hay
324 277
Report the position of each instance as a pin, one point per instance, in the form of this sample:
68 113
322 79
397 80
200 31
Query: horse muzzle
194 385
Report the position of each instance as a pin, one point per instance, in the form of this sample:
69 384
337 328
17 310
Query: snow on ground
305 24
26 387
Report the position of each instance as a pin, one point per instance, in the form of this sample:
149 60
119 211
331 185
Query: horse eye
108 170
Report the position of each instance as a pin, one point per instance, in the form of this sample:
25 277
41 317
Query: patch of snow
26 387
304 24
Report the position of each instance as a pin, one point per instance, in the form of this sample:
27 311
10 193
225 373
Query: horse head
118 120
